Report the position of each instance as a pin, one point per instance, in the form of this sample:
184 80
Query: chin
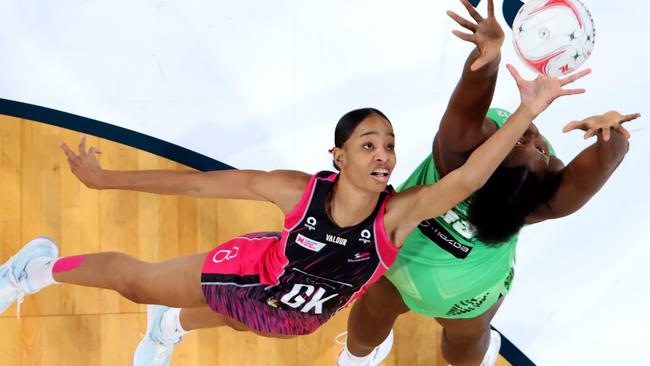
376 186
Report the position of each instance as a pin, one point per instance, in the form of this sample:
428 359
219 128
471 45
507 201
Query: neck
349 205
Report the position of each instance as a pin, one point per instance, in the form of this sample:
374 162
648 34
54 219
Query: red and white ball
554 37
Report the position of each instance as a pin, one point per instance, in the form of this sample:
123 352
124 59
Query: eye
519 142
390 147
368 146
541 151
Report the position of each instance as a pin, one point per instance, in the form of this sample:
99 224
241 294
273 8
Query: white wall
261 84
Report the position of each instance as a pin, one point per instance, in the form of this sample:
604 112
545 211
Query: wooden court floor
71 325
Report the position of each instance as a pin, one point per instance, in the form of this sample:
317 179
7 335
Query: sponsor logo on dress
469 305
360 257
365 236
225 254
439 235
311 223
463 227
310 244
335 239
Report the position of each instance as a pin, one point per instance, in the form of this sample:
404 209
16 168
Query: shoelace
20 290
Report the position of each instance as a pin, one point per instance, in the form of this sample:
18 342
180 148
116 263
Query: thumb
478 63
572 126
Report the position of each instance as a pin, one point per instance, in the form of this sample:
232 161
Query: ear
339 157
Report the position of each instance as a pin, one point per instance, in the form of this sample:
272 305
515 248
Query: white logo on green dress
463 227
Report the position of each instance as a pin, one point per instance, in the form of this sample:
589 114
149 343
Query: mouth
380 175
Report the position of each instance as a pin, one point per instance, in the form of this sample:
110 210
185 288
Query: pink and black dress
292 282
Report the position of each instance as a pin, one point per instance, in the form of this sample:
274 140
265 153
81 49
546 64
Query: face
531 151
368 157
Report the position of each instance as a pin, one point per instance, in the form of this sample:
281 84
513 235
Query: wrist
615 137
611 152
102 179
487 71
527 112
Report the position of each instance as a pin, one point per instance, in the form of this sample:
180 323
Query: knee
126 277
464 348
131 290
466 337
378 307
368 325
371 314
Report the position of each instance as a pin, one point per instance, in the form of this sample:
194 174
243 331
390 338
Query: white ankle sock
171 324
348 359
39 272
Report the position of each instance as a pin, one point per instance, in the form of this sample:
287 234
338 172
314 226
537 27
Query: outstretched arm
463 126
423 202
282 187
588 172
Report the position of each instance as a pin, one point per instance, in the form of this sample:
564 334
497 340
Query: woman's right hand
486 34
85 165
538 94
603 123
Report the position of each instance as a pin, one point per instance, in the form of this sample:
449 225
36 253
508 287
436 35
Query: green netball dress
443 270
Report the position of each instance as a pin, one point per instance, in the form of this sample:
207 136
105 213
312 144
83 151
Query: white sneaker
492 352
375 357
382 351
154 349
14 285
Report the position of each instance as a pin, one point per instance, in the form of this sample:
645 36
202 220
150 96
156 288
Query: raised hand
486 34
85 165
538 94
611 120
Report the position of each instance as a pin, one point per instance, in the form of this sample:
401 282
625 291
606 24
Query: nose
530 147
381 154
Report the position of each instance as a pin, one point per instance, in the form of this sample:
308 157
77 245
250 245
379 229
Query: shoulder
283 187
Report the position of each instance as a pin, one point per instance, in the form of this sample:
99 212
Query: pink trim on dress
296 215
385 248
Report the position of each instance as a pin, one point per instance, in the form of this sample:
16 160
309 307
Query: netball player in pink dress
341 232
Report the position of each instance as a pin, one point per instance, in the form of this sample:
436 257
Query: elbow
190 184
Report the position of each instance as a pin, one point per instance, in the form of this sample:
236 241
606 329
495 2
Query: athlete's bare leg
372 317
465 341
174 283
